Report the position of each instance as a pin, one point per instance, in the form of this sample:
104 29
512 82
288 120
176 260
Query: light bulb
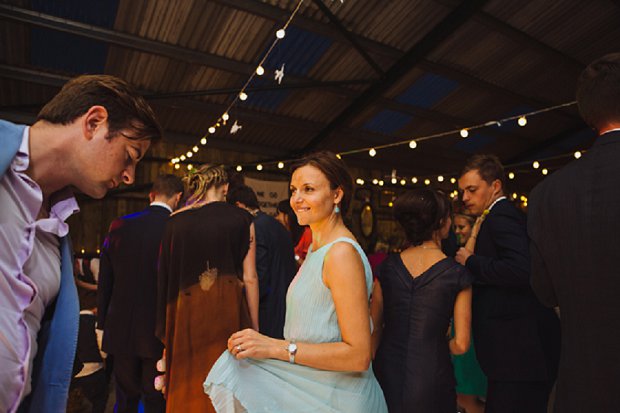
514 195
259 167
545 171
225 116
381 182
403 182
182 157
375 181
195 149
280 165
239 168
414 180
338 156
280 34
453 180
522 121
212 129
243 96
577 155
413 144
390 204
190 154
427 182
394 180
372 152
174 160
440 178
535 165
190 166
464 133
177 166
511 175
203 141
260 70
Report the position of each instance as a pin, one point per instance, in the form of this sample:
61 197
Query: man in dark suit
275 261
574 225
516 338
126 300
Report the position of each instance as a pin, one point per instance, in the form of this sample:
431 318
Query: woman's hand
249 343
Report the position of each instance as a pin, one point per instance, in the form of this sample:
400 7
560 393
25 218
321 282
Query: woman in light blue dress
323 364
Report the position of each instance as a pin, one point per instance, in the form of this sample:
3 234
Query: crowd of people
208 304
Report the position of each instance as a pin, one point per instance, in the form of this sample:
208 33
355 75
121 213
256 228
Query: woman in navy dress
419 292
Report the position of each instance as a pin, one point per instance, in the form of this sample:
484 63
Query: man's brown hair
489 168
127 110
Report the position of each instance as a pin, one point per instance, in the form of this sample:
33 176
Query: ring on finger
238 347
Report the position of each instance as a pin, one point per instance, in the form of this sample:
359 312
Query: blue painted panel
474 142
300 50
388 121
427 90
53 49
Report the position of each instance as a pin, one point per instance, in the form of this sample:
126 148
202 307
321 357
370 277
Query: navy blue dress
412 363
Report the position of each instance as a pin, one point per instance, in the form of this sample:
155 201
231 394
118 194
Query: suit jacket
127 293
57 339
516 338
275 265
574 228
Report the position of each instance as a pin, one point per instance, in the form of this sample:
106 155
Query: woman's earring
337 209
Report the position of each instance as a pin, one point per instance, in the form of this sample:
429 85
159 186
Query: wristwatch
292 350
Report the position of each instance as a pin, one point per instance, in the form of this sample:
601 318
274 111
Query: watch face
292 348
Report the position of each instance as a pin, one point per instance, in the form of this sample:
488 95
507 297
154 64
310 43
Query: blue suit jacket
57 340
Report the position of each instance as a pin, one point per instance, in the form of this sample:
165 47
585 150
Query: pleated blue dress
276 386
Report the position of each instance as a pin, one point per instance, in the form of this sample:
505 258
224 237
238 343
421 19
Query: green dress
469 376
277 386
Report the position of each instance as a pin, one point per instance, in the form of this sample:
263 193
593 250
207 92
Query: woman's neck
326 231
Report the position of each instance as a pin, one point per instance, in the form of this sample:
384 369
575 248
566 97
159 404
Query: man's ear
497 187
151 197
93 119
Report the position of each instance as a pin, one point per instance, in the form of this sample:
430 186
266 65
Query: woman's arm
250 279
376 314
343 273
459 344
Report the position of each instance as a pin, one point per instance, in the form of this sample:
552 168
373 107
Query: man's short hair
488 166
127 110
598 92
167 185
243 194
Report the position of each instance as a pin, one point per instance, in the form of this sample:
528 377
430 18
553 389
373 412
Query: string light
203 141
280 165
174 160
453 180
280 34
190 154
390 204
427 182
394 180
359 181
243 96
259 167
545 171
375 181
464 133
440 178
381 182
260 70
413 144
536 165
514 195
225 116
182 157
414 180
190 166
338 156
212 129
403 182
177 166
195 149
83 251
239 168
577 155
372 152
511 175
522 121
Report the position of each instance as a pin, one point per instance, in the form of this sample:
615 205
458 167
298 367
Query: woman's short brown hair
334 169
421 212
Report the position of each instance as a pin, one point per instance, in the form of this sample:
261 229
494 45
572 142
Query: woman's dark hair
334 169
421 212
296 230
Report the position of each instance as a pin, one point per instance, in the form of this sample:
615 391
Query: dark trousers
134 380
517 397
95 388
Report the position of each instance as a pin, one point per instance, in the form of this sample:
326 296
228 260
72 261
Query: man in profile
127 297
516 338
275 261
574 228
89 138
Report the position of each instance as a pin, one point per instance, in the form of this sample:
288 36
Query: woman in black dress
419 291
